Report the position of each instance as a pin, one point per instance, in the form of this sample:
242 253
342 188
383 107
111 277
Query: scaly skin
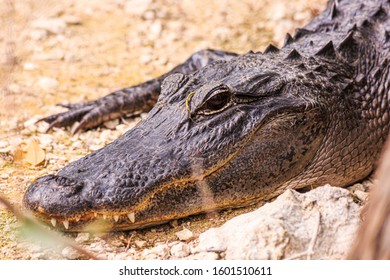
239 130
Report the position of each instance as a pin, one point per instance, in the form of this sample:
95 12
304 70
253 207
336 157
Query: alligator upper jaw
45 198
91 219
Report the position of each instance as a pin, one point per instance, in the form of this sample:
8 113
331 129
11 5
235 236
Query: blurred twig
29 221
373 240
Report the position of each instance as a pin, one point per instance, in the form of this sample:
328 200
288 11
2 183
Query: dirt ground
71 51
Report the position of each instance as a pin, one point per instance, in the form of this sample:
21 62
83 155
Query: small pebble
47 83
140 243
363 196
180 250
204 256
28 66
111 124
52 25
38 34
136 7
82 237
161 250
185 235
150 256
70 253
15 88
145 58
95 147
3 144
155 30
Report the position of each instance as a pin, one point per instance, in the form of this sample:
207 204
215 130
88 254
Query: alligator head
229 135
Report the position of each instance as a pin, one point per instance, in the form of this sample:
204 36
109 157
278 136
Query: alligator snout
72 204
114 185
59 198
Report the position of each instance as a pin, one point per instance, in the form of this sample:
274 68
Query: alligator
227 130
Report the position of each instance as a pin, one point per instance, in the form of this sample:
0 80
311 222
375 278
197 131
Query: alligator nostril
63 181
44 179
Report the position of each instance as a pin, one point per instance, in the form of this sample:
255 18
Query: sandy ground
71 51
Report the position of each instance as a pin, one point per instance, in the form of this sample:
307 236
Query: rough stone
70 253
180 250
82 237
47 84
140 243
319 224
185 234
160 251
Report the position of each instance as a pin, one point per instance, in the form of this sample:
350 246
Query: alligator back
354 35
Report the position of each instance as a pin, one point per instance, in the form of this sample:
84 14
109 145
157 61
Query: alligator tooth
131 217
104 217
95 214
116 218
77 219
53 222
66 224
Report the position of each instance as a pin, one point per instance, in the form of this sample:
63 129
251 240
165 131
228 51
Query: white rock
145 58
82 237
204 256
137 7
180 250
361 195
77 145
31 124
95 147
4 144
38 34
111 124
46 139
28 66
52 25
326 217
185 234
47 83
150 256
155 30
70 253
161 250
140 243
15 88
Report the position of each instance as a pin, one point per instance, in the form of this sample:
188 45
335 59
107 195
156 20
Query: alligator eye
216 102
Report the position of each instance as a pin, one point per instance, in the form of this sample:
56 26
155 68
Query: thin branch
27 219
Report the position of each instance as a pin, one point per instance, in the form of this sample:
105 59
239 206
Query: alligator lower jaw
99 222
